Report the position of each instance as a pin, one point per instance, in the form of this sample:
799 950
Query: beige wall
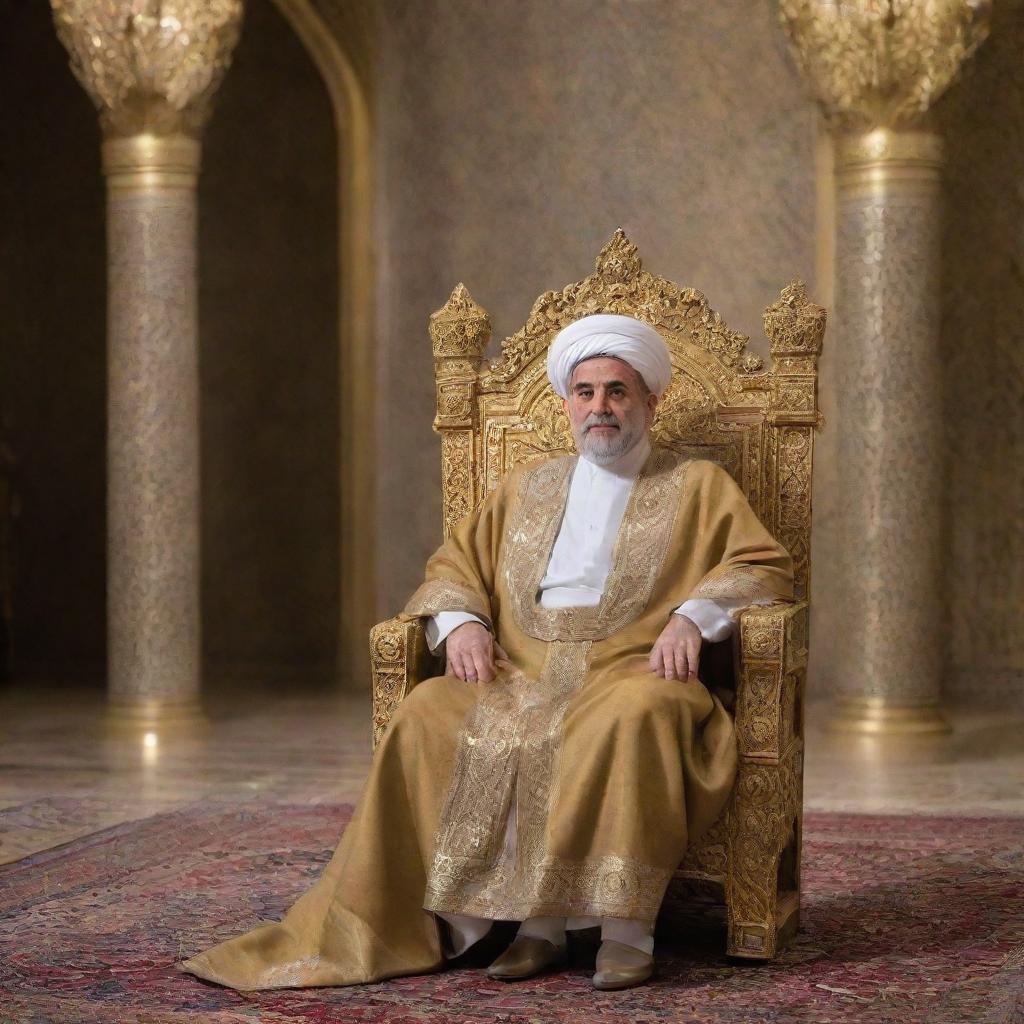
983 349
268 276
514 138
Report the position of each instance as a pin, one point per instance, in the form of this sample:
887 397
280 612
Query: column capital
882 63
150 66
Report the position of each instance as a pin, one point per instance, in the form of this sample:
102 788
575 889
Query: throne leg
762 889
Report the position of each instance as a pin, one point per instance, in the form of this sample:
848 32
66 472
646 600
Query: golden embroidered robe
611 770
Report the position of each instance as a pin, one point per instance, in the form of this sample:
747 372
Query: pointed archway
348 92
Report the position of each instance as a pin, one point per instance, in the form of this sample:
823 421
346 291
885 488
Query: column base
877 716
161 718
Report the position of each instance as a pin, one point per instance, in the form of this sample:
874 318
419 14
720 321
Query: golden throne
721 405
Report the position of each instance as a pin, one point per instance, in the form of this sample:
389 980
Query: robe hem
627 912
645 909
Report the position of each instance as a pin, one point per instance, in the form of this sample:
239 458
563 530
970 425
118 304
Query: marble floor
63 775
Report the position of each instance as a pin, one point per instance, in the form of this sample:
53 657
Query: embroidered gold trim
639 551
510 745
739 583
510 750
436 596
478 800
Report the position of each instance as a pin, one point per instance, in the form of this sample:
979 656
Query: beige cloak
611 770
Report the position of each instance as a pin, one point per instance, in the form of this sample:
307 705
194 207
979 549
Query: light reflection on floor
64 776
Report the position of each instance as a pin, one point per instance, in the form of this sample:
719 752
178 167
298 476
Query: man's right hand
472 653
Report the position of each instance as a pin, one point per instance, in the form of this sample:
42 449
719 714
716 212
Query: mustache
596 419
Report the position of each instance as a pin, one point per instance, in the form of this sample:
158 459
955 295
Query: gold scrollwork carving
794 397
794 324
620 285
150 67
458 477
773 666
551 429
685 412
454 403
710 857
790 728
757 729
460 328
762 638
776 634
793 524
766 804
459 333
399 659
796 639
389 667
795 327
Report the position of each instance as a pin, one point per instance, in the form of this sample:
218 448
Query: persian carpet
905 919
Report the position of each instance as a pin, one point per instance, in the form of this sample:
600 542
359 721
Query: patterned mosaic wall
983 348
514 138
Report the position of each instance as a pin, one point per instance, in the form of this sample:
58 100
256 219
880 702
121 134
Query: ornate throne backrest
722 405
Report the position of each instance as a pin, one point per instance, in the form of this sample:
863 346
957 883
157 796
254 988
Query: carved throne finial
459 333
619 260
795 326
461 328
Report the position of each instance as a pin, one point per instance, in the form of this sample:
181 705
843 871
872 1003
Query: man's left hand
676 653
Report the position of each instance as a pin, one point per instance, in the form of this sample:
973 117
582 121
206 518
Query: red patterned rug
906 919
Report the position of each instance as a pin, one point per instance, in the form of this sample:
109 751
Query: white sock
463 931
550 928
638 934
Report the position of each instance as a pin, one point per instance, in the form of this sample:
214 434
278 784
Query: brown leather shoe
621 966
525 958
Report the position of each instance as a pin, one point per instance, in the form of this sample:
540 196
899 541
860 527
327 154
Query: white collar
627 465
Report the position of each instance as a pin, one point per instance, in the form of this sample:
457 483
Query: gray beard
603 451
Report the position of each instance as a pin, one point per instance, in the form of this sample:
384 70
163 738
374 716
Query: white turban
609 334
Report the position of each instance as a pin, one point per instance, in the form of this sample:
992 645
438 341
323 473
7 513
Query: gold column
876 68
151 68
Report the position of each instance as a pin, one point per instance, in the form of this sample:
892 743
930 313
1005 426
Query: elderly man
556 773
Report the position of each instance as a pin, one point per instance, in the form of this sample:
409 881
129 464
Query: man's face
609 408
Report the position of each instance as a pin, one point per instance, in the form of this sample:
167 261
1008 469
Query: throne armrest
399 659
772 669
